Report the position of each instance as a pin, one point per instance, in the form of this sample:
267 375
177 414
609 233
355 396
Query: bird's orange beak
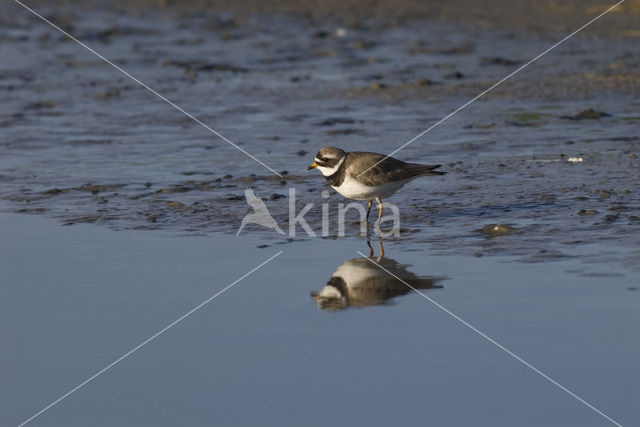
312 166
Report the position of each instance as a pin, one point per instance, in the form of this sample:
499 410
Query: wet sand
84 144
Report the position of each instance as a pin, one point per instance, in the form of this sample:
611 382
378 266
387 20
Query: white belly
353 189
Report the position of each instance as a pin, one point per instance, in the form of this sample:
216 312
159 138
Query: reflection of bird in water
260 215
360 283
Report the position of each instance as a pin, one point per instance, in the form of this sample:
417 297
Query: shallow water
318 336
74 299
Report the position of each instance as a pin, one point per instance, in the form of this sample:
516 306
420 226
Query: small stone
591 114
496 230
456 75
152 218
175 205
611 218
109 93
583 212
498 60
55 191
619 208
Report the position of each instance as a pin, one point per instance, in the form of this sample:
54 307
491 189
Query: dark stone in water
589 113
321 34
619 208
96 188
335 120
205 66
40 104
55 191
106 94
456 75
152 218
348 131
176 189
498 60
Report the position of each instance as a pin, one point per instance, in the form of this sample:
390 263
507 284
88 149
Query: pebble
496 230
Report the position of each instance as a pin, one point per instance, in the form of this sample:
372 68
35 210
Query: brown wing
386 170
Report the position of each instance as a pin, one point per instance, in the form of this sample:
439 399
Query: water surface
76 298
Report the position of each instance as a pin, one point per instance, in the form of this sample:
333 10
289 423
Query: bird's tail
418 169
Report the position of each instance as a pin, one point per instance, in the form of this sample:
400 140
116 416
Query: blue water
74 299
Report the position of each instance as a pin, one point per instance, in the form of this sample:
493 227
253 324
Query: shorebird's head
328 160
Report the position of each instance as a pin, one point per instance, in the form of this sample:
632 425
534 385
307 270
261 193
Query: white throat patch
330 171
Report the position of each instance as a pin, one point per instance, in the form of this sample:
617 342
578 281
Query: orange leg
370 249
369 210
379 209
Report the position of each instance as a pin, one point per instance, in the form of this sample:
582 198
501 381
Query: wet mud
545 164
